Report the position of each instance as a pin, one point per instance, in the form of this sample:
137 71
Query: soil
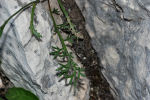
99 87
6 84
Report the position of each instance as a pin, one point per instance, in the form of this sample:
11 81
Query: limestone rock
25 60
119 30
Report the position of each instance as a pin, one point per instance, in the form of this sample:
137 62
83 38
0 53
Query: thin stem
67 16
26 6
32 29
57 30
32 14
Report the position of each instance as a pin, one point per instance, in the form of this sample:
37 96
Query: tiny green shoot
63 26
72 28
20 10
56 11
32 29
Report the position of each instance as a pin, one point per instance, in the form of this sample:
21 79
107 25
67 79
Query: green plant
69 70
32 29
63 26
20 10
71 25
70 38
20 94
55 11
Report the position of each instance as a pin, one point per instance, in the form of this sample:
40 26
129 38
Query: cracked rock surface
119 30
25 60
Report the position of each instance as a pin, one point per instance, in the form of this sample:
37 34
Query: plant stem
57 30
71 69
67 17
32 29
32 14
21 9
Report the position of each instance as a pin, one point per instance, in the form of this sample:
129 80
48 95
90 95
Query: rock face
25 60
119 30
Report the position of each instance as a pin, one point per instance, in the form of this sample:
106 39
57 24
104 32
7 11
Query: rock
119 30
25 60
1 84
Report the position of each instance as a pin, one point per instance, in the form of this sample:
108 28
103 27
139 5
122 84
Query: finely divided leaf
35 33
33 30
55 11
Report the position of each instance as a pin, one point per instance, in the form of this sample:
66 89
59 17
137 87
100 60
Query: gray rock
25 60
120 34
